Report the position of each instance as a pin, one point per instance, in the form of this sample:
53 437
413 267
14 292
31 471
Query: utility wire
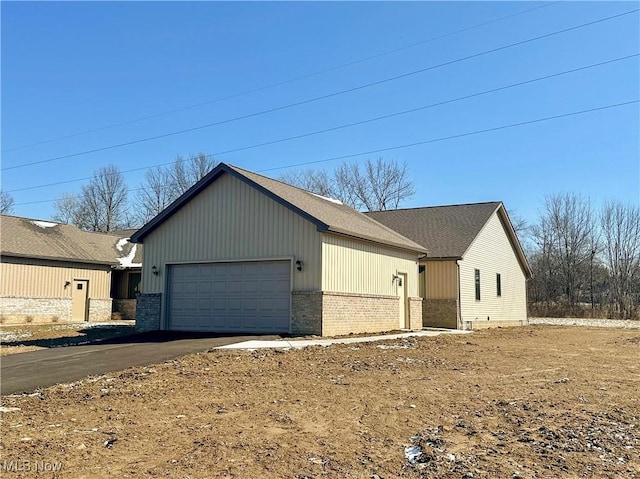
323 97
409 145
284 82
361 122
461 135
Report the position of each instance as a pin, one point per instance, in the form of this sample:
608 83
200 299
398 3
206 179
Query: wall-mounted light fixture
397 279
67 284
154 270
299 265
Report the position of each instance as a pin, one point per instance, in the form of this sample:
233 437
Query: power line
452 137
323 97
361 122
284 82
409 145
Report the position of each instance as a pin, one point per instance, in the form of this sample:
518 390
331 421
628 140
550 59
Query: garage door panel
243 296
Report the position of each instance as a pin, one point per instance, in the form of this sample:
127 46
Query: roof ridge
330 200
436 206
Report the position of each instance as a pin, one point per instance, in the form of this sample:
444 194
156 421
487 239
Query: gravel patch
588 322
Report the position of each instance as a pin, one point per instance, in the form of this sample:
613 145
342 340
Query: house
126 275
57 272
240 252
475 273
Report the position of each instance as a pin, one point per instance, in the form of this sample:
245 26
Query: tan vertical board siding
230 220
441 280
491 253
352 266
33 278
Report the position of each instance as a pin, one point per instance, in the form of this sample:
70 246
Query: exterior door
79 300
402 297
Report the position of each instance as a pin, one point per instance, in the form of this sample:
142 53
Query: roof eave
417 248
513 236
61 259
443 258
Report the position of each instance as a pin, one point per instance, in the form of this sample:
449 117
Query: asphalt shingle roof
339 217
445 231
30 238
329 215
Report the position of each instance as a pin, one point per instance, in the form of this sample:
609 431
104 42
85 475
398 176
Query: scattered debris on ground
531 402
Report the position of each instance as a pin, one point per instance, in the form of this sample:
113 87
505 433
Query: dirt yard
533 402
31 337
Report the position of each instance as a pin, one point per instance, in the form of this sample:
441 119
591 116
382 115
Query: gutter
62 260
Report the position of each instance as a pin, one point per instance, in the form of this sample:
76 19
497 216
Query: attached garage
249 296
240 252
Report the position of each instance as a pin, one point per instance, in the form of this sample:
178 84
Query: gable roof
328 215
448 231
29 238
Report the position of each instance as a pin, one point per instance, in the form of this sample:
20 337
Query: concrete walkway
303 343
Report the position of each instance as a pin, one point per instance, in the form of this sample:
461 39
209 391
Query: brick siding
415 313
306 313
344 313
440 313
148 310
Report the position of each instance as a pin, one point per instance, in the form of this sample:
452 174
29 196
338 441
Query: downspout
459 305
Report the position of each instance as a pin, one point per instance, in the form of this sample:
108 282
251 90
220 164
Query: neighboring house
57 272
239 252
126 276
475 272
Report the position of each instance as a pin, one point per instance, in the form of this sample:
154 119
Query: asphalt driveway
28 371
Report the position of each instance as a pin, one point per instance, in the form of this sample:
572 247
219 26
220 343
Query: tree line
106 203
585 260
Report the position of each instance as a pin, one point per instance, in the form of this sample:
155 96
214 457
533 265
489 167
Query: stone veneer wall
344 313
37 310
48 310
124 309
306 313
440 313
99 310
148 310
415 313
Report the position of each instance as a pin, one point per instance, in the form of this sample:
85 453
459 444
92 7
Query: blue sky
70 67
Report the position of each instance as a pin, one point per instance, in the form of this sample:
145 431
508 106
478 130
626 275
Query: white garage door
244 297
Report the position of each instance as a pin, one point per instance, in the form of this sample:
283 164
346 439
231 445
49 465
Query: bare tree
565 237
184 173
376 185
316 181
66 209
6 203
101 205
621 253
155 194
162 186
